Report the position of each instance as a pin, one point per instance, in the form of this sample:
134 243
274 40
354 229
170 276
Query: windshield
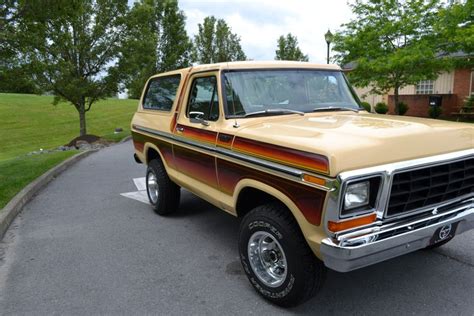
270 92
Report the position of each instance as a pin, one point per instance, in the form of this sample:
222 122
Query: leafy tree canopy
287 49
392 43
156 41
215 43
455 26
71 46
14 77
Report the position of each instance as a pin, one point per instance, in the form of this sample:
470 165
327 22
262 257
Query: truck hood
353 141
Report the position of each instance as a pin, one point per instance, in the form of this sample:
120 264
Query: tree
455 28
392 43
156 41
14 77
287 49
71 47
216 43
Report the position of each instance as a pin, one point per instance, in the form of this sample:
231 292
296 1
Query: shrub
366 106
402 108
469 104
381 108
435 111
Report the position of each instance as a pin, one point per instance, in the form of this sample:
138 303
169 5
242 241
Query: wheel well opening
250 198
152 154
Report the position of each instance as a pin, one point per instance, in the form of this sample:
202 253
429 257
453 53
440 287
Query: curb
125 139
13 208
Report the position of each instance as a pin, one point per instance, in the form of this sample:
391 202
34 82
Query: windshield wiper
336 108
273 112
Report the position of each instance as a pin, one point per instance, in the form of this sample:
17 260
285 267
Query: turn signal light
313 179
339 226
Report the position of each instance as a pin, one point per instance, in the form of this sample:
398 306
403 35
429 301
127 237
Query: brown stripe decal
309 200
198 134
164 147
283 155
138 145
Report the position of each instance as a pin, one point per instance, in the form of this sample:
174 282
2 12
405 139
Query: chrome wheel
267 259
152 187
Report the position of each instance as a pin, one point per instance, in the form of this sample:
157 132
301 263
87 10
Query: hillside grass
16 173
30 123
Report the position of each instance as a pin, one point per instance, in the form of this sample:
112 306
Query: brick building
452 86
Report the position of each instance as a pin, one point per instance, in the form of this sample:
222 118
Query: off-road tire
305 273
169 193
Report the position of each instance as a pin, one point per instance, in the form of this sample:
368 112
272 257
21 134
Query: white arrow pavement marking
139 195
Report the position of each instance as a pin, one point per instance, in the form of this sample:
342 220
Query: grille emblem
445 231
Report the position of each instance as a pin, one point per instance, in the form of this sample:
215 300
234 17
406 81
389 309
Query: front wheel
276 258
163 194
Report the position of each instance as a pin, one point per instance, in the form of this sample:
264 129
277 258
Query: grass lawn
30 122
16 173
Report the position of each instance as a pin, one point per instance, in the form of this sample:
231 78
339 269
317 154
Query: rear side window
161 93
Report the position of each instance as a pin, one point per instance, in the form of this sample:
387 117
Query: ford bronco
317 181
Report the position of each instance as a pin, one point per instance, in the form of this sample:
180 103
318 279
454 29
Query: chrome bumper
357 249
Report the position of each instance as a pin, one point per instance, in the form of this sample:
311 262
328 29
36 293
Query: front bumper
357 249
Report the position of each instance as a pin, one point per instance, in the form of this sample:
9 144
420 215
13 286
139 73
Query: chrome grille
423 187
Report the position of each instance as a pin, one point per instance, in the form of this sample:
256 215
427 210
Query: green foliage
469 104
287 49
455 28
156 41
402 108
31 122
434 111
366 106
14 77
71 47
381 108
392 43
215 43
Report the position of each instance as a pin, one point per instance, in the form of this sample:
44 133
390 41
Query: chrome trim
387 171
360 248
223 153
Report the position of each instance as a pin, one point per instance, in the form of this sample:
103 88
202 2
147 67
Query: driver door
197 127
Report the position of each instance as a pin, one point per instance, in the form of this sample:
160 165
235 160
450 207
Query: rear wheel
163 194
276 258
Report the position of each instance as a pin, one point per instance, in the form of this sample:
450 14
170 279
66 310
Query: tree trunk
395 100
82 120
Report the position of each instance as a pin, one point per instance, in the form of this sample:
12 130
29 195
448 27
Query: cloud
260 23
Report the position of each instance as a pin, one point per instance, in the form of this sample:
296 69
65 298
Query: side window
161 93
203 99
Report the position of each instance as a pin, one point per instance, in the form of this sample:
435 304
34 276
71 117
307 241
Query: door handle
179 129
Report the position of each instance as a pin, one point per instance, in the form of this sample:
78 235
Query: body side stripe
296 173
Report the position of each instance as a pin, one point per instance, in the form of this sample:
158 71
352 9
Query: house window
425 87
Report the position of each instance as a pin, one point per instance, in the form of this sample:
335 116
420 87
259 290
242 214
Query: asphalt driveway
79 247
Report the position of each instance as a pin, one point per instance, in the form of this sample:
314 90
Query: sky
259 23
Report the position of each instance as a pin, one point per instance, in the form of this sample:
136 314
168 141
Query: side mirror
197 117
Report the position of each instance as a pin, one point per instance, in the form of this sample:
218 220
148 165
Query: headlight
357 195
360 196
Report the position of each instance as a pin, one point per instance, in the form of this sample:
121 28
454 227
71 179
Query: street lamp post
328 37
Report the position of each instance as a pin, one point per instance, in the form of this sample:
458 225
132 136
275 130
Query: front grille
420 188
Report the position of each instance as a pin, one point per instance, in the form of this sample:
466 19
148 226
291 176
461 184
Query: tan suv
317 181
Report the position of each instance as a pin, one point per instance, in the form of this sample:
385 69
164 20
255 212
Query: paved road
81 248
